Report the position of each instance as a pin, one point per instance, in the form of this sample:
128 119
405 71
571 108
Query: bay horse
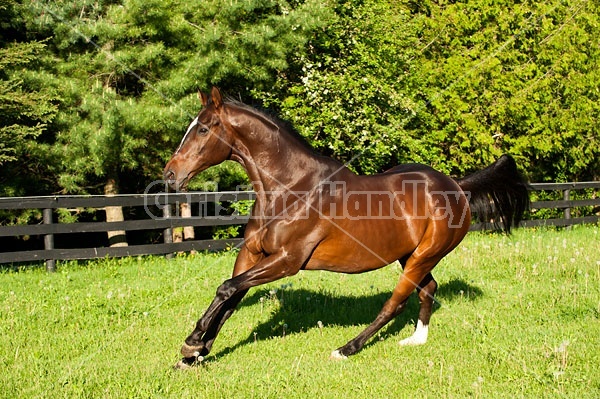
313 213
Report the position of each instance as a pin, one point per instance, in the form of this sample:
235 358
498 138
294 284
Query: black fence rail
159 209
566 204
160 216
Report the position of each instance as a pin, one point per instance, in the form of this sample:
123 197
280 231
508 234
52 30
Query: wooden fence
159 208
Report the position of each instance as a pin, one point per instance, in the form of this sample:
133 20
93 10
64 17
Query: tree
520 81
349 94
111 84
97 93
452 85
131 69
25 112
28 105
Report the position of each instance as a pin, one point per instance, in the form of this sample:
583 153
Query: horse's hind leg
415 272
390 310
426 290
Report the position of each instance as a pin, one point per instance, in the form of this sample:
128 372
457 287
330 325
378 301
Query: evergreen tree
453 85
131 69
98 92
518 77
24 113
28 105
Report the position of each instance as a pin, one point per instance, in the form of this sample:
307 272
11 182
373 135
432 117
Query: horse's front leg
245 261
209 337
199 342
230 293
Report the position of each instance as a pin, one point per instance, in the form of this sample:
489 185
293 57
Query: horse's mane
273 117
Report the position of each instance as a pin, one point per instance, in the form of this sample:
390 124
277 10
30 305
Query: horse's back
429 178
409 167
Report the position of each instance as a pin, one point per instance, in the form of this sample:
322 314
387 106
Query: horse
313 213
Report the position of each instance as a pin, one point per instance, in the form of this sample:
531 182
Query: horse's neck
277 161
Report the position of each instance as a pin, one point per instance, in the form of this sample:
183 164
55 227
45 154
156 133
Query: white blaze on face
189 129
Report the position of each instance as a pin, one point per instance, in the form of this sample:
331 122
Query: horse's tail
497 194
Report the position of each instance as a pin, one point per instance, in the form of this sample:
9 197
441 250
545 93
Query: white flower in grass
562 347
558 374
478 383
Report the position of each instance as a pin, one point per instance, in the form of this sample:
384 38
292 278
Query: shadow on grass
301 310
454 289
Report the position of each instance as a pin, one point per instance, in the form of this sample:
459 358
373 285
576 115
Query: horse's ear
217 99
203 98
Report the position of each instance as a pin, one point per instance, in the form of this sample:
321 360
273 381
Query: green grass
517 317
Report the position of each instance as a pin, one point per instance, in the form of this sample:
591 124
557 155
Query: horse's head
207 142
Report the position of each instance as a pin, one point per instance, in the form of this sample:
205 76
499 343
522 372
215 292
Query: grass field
516 317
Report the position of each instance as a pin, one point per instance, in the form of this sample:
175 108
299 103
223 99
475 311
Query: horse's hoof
412 341
189 351
188 363
337 355
182 365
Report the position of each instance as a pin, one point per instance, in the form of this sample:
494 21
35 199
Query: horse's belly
341 266
348 253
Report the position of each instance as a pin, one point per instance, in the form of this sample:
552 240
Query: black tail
498 194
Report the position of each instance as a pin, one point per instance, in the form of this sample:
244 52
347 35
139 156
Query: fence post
168 232
49 240
567 197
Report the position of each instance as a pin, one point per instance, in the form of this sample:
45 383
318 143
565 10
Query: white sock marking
336 355
419 337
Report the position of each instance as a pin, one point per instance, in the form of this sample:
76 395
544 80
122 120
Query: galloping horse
313 213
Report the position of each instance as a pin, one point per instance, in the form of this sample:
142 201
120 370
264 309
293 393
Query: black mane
273 117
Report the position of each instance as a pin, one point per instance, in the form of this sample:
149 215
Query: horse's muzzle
171 179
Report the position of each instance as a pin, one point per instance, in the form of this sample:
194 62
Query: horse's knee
226 290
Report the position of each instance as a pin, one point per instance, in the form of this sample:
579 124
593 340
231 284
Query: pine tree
24 113
28 105
130 71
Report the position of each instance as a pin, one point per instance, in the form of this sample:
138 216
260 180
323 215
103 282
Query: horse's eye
202 130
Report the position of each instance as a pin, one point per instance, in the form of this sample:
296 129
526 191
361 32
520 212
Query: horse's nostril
169 175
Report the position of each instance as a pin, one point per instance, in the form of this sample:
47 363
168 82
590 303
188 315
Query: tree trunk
116 238
184 233
178 234
186 212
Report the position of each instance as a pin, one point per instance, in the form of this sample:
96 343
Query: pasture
516 316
